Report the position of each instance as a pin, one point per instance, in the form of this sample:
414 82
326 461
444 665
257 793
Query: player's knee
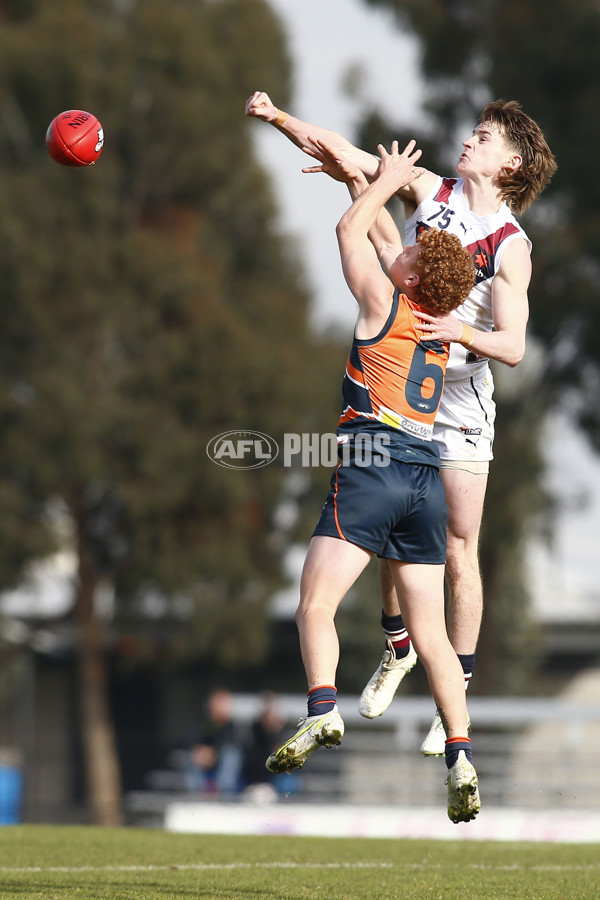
461 554
432 647
311 608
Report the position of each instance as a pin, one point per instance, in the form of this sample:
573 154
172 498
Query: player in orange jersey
504 166
388 501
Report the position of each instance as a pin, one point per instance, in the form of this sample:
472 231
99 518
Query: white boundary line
171 867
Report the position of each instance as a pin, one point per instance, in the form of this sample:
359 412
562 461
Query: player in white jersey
487 238
505 164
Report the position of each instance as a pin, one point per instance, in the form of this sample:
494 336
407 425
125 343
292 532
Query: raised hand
261 106
332 162
398 167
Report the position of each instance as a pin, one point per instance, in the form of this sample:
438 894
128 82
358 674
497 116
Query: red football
75 138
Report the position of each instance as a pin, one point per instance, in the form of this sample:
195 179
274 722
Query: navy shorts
397 511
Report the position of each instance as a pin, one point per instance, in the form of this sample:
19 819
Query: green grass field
56 863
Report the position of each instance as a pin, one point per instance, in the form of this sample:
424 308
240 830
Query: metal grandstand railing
532 753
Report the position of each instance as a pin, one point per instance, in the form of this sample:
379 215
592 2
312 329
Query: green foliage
148 304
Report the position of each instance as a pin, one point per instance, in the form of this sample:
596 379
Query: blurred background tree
148 304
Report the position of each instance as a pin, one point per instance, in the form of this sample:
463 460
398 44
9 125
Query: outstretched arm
510 306
371 288
383 233
260 106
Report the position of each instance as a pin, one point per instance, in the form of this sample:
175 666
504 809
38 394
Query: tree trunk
103 779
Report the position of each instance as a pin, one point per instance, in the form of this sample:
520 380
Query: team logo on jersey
481 261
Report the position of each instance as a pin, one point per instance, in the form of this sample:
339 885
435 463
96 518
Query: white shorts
464 425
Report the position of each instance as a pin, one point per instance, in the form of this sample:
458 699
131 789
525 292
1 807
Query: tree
148 305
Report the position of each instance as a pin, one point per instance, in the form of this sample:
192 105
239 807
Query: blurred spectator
266 734
213 762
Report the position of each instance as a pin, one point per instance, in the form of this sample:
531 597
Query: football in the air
75 138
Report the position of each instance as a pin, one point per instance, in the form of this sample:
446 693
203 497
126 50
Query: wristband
280 119
467 335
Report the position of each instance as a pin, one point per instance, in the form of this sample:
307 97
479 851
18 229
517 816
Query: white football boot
463 790
435 741
379 692
313 732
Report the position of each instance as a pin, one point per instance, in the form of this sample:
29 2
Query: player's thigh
465 495
330 569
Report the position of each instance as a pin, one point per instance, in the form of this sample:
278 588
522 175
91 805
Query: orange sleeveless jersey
395 380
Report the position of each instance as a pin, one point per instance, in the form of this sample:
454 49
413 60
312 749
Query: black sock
321 699
467 661
453 748
396 633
